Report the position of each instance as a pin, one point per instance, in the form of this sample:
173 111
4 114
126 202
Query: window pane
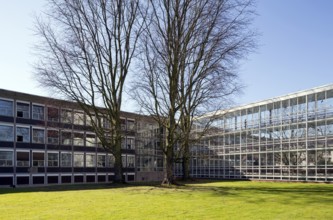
66 138
6 108
66 160
22 134
6 133
37 112
90 160
101 160
66 116
52 114
6 158
22 159
78 118
52 137
78 139
52 159
22 110
90 140
38 136
37 159
111 160
78 160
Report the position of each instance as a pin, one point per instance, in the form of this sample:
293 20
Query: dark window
52 114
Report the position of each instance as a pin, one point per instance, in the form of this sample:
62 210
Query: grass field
198 200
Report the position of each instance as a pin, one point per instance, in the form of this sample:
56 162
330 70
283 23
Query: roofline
271 100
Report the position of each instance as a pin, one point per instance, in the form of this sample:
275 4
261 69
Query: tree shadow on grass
72 187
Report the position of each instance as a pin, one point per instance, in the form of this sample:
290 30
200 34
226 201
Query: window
78 159
110 160
22 134
101 160
38 112
52 159
130 125
130 161
66 138
6 158
6 108
90 160
6 133
66 116
78 118
130 143
90 140
38 159
52 137
90 119
52 114
22 110
38 136
78 139
66 159
22 159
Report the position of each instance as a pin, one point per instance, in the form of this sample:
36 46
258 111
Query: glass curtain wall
286 139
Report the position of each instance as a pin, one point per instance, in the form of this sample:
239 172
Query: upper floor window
52 137
22 134
66 116
38 159
52 114
110 160
6 108
52 159
78 118
22 110
66 138
6 158
78 139
90 140
6 133
90 160
37 112
78 159
101 160
130 125
22 159
38 135
66 159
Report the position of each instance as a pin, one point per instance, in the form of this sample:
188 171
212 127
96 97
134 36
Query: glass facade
286 138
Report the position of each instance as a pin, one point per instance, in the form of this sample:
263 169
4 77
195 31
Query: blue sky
295 48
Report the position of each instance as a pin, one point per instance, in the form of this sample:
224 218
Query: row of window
38 135
53 114
63 159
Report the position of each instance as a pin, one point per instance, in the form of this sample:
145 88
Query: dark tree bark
85 54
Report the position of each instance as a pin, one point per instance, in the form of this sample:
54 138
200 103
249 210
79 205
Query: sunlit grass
199 200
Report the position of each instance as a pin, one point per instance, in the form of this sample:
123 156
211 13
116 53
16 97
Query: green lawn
199 200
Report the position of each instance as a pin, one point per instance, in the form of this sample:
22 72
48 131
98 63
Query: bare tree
188 65
85 56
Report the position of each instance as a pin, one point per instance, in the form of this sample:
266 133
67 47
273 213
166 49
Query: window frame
17 109
5 164
12 110
43 112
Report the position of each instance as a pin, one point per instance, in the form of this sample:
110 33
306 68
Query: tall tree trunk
186 162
